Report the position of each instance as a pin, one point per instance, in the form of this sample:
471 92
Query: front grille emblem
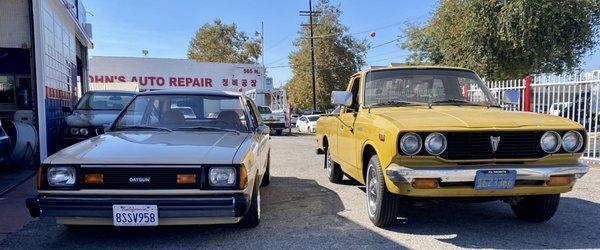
139 179
495 140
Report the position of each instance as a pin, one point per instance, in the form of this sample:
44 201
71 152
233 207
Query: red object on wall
527 98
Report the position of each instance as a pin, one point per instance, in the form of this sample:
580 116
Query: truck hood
470 117
154 147
91 118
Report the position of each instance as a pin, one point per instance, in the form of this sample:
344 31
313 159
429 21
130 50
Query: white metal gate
573 96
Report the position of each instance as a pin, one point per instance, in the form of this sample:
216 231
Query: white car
159 165
557 107
307 123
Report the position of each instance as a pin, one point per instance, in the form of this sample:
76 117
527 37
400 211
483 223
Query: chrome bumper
400 174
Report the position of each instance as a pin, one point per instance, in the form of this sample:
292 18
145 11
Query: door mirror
342 98
263 129
67 109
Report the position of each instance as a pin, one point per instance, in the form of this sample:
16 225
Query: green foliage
218 42
337 55
507 39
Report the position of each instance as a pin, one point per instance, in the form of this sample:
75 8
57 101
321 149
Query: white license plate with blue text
135 215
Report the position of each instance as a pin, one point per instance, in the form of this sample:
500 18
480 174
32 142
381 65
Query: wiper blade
211 128
458 102
144 127
392 103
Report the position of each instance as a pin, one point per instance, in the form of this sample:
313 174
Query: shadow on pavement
296 213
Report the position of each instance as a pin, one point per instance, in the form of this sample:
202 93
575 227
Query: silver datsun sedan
159 166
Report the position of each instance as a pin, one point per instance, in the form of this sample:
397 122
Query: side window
253 111
355 87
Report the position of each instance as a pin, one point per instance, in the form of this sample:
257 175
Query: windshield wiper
393 103
458 102
144 127
211 128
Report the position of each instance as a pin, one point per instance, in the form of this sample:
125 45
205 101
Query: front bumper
170 208
276 125
459 180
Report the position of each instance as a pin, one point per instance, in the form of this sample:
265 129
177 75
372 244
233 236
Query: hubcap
329 164
372 190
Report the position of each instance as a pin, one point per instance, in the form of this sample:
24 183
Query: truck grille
143 178
512 145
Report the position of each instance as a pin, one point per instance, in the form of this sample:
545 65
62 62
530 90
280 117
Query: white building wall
14 24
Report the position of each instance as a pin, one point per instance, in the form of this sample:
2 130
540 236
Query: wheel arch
368 151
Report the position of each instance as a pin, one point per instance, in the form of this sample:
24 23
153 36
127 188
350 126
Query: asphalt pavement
302 210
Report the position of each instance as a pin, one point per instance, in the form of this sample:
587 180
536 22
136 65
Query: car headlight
411 143
435 143
62 176
84 131
550 142
74 131
222 176
572 141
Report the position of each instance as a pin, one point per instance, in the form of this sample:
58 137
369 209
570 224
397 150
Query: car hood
91 118
456 117
154 147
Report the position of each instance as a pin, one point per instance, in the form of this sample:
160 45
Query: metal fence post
527 98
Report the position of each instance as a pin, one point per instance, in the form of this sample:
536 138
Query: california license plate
495 179
135 215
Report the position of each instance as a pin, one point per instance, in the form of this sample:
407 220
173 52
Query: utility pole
310 14
262 43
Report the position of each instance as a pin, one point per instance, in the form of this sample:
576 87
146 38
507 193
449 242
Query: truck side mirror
342 98
263 129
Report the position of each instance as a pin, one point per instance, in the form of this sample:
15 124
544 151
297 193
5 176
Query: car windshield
425 86
313 118
183 112
104 101
264 110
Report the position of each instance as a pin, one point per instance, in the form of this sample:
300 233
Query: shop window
7 89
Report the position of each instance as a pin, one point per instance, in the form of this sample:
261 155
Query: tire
536 208
334 171
279 132
252 217
308 130
382 206
266 179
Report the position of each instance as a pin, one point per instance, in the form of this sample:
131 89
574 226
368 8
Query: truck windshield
424 86
183 112
104 101
264 110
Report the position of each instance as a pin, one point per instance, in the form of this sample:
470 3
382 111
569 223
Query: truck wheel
266 179
252 217
279 132
536 208
334 171
382 205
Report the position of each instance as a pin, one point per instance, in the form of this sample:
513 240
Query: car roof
415 67
311 115
112 91
191 92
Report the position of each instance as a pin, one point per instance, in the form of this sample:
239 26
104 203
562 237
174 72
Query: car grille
512 145
159 178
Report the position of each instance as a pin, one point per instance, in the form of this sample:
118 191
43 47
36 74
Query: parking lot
301 209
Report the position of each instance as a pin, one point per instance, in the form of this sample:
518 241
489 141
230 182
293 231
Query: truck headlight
74 131
550 142
84 131
222 176
62 176
435 143
572 141
411 143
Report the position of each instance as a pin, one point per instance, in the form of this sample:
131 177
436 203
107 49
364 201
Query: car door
346 140
262 140
302 124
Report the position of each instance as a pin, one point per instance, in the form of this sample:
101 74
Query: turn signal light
243 177
559 180
425 183
94 178
186 179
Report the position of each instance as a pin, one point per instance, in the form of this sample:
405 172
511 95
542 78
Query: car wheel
334 171
278 132
252 217
266 179
536 208
382 205
308 130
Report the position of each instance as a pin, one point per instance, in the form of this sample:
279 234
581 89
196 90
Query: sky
165 27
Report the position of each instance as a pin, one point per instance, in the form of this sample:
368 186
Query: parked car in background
95 110
413 135
583 109
558 107
294 119
157 167
307 123
276 121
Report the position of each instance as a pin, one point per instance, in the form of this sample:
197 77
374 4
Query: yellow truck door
346 140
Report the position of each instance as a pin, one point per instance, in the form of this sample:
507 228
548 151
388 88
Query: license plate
495 179
135 215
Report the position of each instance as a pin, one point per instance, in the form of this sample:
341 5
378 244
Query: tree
507 39
337 56
218 42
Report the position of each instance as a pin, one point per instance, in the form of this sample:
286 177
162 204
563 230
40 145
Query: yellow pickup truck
419 133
